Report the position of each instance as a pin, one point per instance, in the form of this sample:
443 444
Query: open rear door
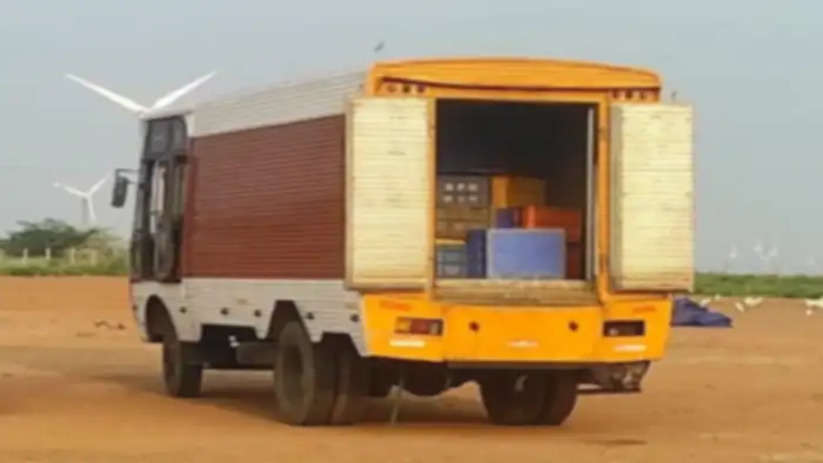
389 183
652 186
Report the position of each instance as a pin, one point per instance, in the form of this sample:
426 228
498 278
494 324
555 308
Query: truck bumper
500 336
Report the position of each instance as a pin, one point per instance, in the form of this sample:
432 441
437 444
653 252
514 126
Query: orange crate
574 261
555 217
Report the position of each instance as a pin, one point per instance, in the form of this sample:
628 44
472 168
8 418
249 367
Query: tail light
624 328
423 326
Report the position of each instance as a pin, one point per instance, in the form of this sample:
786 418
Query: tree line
55 235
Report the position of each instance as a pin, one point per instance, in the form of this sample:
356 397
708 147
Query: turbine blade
90 211
70 189
97 185
174 95
127 103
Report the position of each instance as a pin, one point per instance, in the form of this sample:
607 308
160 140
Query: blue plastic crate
508 217
451 260
526 253
476 253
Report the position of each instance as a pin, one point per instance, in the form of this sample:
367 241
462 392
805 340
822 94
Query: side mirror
120 191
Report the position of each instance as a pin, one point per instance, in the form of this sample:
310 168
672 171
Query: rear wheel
560 399
514 398
353 383
182 373
382 381
304 377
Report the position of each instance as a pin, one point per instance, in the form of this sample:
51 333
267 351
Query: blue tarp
686 312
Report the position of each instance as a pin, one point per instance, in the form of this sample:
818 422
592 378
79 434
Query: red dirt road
75 387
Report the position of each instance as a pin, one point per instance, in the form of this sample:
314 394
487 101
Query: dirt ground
76 384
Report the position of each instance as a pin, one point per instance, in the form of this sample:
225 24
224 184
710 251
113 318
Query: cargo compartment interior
514 191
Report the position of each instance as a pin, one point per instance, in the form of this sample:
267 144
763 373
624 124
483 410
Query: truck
346 233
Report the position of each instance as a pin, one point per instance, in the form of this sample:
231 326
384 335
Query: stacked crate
462 205
451 260
477 219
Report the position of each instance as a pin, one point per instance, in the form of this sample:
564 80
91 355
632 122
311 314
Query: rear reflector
624 328
425 326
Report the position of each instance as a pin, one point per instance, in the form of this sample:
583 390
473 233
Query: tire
515 399
304 378
353 381
381 384
560 399
182 373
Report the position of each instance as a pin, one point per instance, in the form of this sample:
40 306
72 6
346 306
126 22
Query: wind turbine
814 269
772 256
136 107
88 216
730 258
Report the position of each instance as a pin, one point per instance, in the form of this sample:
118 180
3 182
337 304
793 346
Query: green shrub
794 286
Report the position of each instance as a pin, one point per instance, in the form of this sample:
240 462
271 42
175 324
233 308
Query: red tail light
624 328
423 326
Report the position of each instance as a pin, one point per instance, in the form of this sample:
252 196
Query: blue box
508 217
516 253
476 253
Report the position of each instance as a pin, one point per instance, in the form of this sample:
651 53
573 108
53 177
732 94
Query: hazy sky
752 68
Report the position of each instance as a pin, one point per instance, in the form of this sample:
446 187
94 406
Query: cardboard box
512 191
454 222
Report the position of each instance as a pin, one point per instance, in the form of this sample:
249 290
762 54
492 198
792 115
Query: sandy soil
77 385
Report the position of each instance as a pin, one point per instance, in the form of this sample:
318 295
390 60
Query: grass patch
793 286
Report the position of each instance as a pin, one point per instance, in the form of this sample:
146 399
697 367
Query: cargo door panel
652 197
389 178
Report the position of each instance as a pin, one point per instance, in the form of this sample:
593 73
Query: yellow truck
350 232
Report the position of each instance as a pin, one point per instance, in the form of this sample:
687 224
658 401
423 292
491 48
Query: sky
751 68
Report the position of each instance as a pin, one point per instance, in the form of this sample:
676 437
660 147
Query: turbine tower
136 107
88 217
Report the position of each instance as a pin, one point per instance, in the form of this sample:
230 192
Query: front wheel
182 373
